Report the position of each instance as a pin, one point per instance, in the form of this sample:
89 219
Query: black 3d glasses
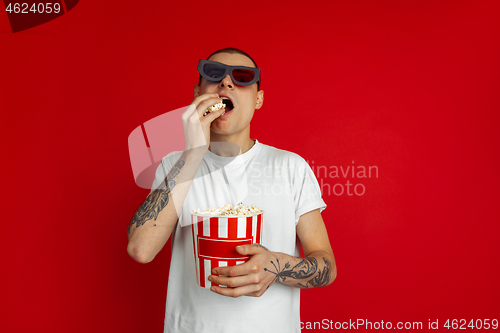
215 71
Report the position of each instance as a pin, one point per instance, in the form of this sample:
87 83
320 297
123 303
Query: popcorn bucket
215 239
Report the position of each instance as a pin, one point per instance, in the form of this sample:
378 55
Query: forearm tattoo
157 200
307 268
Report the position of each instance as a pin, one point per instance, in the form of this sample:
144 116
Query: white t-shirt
280 183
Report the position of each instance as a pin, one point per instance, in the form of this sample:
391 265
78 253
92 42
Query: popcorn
214 108
228 210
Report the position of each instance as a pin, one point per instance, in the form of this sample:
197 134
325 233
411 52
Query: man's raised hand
196 125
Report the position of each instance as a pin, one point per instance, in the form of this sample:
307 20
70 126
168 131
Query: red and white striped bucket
215 240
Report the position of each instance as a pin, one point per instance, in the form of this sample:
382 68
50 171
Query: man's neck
228 146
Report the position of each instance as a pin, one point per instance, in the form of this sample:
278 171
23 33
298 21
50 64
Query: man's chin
220 130
224 128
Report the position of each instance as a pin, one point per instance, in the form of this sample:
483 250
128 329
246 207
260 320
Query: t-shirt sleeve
307 194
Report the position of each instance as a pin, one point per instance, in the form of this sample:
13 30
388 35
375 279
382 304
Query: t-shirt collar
243 157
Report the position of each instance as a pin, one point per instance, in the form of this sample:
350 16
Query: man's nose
226 83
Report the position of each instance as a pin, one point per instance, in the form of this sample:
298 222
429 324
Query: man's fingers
234 282
202 107
193 107
251 249
204 97
238 270
250 290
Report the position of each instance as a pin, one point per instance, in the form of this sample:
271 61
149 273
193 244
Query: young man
278 182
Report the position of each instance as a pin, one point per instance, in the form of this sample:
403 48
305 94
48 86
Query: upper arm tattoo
157 200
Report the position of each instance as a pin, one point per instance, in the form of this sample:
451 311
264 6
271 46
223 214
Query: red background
408 86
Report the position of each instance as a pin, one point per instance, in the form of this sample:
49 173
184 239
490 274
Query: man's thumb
250 249
242 249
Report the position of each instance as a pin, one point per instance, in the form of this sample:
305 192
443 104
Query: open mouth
228 102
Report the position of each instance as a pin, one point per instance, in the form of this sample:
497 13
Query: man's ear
260 99
196 91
